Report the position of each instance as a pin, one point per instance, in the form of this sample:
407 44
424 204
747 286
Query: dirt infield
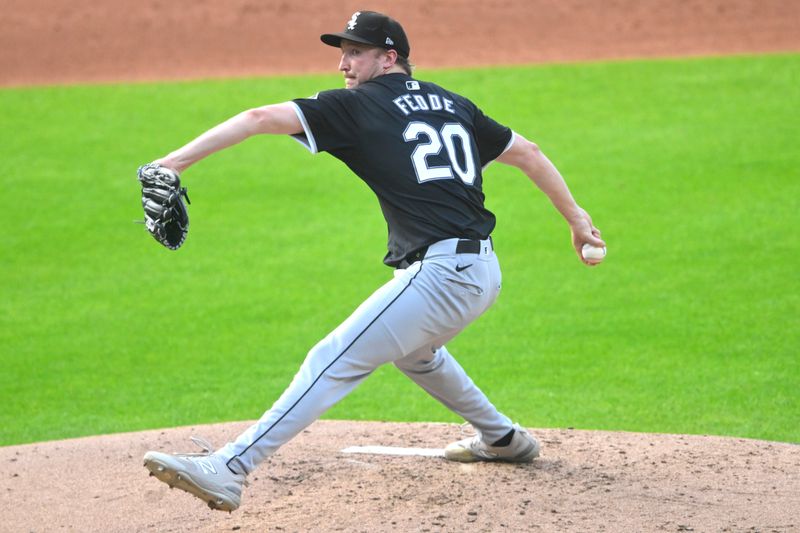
584 481
46 41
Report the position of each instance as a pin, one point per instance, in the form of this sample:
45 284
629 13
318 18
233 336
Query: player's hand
165 215
584 232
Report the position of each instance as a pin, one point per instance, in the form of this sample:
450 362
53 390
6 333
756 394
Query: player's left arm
271 119
527 156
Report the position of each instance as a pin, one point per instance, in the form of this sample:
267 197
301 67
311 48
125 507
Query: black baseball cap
376 29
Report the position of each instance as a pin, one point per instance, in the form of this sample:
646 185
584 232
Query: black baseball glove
165 215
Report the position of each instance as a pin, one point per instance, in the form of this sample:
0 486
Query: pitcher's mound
584 481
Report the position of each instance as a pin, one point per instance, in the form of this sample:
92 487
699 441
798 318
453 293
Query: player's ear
389 59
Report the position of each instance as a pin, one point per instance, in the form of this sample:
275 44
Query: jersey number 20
448 135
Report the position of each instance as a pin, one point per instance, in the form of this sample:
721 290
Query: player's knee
421 362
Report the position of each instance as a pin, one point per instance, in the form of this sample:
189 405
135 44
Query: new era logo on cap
376 29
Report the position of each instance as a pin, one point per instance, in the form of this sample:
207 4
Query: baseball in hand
593 254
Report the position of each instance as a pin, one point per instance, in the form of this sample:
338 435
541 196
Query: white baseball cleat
203 475
523 448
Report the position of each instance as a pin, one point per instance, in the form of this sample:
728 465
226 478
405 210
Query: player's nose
344 65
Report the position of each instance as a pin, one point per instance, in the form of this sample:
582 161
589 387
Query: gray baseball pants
406 322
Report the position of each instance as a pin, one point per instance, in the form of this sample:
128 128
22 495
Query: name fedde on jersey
408 103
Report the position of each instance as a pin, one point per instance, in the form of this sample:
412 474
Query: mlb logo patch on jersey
412 85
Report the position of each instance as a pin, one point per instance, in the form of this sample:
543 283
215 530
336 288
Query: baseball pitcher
422 150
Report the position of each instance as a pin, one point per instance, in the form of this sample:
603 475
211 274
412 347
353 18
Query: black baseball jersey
419 147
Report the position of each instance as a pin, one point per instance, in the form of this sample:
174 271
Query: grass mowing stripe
688 166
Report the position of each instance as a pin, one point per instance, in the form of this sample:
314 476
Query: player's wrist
169 163
574 215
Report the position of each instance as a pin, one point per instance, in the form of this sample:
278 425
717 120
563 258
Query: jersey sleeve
328 119
492 137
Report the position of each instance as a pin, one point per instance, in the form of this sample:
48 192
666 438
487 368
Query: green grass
689 167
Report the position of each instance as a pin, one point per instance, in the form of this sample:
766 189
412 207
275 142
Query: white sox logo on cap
351 24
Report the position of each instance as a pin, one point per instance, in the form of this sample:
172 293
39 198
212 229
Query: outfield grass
689 167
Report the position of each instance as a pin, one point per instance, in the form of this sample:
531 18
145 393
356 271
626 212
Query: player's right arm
527 156
280 119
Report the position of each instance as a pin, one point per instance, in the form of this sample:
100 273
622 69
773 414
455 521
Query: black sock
505 441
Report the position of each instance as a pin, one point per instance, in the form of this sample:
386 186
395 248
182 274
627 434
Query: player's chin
350 83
